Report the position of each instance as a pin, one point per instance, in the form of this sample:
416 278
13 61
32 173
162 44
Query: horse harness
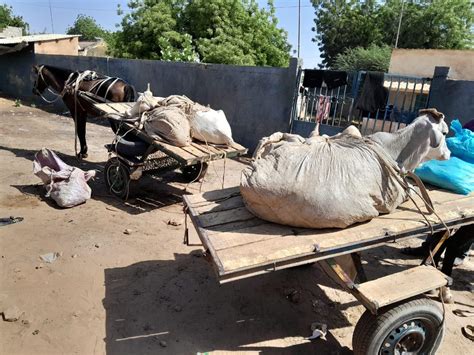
71 85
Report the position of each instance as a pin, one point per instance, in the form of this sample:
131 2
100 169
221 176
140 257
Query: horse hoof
81 156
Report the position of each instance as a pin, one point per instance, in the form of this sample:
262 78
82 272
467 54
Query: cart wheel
117 178
195 172
412 327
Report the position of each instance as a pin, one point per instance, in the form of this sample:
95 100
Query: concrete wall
422 62
256 100
455 98
65 46
11 31
98 49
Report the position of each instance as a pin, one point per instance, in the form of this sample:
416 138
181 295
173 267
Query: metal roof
35 38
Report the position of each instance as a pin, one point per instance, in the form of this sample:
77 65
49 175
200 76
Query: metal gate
336 108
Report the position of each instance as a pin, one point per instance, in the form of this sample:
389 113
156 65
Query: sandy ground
146 292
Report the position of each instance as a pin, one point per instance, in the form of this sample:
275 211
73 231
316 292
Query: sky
64 12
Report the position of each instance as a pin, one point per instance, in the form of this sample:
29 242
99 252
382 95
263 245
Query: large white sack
211 126
168 124
65 184
320 183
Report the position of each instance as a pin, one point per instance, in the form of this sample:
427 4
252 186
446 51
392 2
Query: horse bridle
58 95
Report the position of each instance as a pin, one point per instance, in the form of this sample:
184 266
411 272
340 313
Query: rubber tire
194 172
371 331
131 148
114 163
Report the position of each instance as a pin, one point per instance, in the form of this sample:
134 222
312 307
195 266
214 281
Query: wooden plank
195 152
217 218
168 148
250 236
202 233
206 149
117 106
282 245
401 285
214 195
105 108
228 204
124 106
229 227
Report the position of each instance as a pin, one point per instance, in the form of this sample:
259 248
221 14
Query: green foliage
373 58
236 32
212 31
150 31
343 25
7 18
88 28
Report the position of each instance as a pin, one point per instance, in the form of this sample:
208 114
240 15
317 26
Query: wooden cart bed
196 152
242 245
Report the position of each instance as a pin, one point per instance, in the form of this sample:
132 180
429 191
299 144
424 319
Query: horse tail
129 93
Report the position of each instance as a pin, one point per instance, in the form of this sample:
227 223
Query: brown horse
66 83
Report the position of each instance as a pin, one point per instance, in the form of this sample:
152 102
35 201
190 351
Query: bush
373 58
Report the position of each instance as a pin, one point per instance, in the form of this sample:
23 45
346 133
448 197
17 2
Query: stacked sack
320 182
457 173
177 119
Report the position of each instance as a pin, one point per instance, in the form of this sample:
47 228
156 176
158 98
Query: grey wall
256 100
455 98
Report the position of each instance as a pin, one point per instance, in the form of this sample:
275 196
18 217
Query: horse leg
81 120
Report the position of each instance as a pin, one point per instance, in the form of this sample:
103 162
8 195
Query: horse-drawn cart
136 153
398 319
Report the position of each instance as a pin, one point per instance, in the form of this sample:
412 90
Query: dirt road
146 292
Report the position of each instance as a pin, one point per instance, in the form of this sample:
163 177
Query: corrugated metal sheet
35 38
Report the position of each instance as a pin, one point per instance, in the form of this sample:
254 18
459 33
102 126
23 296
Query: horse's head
40 82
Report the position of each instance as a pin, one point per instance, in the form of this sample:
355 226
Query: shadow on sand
181 303
147 194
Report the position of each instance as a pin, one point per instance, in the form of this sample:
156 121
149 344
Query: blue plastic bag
454 174
462 144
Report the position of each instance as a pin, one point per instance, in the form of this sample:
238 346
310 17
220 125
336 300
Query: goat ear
436 137
438 116
35 68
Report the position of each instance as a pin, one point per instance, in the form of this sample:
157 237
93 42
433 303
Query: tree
236 32
7 18
88 28
342 25
150 31
212 31
437 24
373 58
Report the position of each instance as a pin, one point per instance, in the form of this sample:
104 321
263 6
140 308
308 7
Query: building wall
65 46
256 100
452 97
97 50
422 62
11 31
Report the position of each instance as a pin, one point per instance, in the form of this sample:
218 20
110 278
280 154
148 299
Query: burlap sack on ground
168 124
65 184
320 183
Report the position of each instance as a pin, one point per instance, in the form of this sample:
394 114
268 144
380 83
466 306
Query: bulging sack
65 184
321 183
168 124
211 126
